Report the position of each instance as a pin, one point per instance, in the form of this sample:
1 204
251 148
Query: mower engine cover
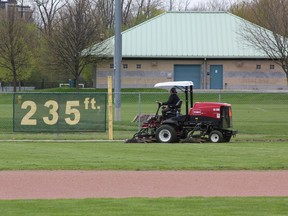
219 114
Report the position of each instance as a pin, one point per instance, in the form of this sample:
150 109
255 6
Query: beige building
23 11
203 47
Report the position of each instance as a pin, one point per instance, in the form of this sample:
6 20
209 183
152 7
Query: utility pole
22 12
117 59
171 5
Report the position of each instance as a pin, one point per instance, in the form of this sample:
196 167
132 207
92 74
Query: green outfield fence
256 115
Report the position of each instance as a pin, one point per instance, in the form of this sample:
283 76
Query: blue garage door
188 73
216 77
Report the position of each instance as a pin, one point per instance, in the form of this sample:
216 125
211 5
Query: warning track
122 184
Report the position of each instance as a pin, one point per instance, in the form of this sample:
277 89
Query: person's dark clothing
172 101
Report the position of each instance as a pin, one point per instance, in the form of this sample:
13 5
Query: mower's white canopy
176 83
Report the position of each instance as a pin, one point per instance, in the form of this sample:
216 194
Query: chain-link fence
28 86
255 115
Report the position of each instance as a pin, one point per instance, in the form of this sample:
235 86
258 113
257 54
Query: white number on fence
53 117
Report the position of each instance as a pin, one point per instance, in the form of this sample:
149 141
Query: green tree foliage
17 42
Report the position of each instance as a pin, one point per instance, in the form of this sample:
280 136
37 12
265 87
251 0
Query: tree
55 28
105 10
213 5
177 5
271 15
133 13
75 30
48 11
47 14
244 9
146 9
17 40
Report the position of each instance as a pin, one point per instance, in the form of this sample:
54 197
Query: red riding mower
205 121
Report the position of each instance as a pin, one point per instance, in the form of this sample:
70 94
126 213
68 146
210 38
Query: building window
258 66
138 66
272 67
111 65
125 66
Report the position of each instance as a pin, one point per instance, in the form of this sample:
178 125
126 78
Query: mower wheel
166 134
216 136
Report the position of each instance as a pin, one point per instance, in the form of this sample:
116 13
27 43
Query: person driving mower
171 103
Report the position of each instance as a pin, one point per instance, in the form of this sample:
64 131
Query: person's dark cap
173 90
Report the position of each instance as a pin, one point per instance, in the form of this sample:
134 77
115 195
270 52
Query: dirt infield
120 184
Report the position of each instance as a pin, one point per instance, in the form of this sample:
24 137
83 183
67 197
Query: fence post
219 97
139 111
110 109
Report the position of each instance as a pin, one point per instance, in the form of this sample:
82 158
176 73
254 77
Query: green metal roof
184 35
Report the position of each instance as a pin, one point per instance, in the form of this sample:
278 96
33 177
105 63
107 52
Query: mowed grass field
262 144
249 206
121 156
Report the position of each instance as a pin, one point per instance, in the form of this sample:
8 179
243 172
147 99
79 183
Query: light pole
117 60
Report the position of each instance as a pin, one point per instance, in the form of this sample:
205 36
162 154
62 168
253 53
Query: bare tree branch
48 10
75 30
271 15
213 5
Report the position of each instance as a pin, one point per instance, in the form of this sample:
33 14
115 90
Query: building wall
246 75
237 74
23 11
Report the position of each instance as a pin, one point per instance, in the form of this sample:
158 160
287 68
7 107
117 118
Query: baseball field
260 146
